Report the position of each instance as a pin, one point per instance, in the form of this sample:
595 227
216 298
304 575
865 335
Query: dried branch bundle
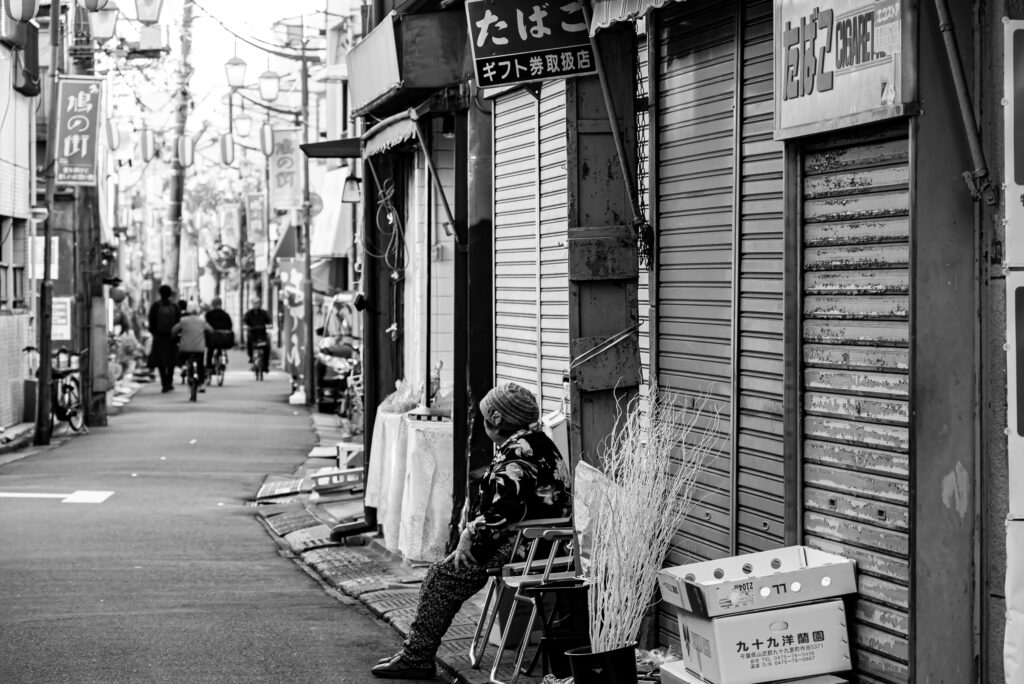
652 462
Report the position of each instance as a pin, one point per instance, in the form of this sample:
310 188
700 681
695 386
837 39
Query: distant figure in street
223 332
163 316
256 322
527 479
193 331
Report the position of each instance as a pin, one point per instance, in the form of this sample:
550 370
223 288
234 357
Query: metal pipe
981 184
414 116
42 430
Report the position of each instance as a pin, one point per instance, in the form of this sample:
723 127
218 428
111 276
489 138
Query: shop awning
607 12
389 133
342 148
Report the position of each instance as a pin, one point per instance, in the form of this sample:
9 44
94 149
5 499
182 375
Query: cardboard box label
744 648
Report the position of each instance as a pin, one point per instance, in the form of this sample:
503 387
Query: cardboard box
675 673
749 648
758 581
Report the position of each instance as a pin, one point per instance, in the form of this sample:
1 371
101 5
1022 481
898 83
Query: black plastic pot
605 667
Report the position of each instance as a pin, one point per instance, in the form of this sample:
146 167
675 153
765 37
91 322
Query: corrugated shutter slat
856 386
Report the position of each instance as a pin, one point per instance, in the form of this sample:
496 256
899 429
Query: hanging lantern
22 10
269 84
148 11
234 70
113 134
267 139
227 149
148 144
103 22
95 5
243 124
186 151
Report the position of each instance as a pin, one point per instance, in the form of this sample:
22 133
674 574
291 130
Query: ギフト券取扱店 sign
78 111
840 63
516 42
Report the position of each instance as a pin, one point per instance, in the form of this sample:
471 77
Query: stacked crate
761 617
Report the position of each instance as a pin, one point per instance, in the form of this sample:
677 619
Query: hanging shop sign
286 169
256 217
78 111
841 63
230 224
520 41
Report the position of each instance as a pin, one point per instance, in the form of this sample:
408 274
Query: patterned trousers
444 590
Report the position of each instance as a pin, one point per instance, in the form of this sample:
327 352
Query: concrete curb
363 570
17 438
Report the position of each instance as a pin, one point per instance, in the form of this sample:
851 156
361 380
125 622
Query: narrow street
171 578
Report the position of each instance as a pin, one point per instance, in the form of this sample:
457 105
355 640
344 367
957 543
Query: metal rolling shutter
515 258
695 196
760 487
554 255
856 333
531 272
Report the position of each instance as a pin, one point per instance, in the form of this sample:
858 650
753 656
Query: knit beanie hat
510 407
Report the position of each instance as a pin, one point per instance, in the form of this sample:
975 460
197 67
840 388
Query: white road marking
80 496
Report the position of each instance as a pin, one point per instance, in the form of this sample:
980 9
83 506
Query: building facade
829 257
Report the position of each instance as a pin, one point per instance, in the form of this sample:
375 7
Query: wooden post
603 267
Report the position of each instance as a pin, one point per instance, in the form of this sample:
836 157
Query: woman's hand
461 556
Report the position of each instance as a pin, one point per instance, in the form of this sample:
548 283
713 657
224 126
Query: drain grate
290 521
274 487
309 538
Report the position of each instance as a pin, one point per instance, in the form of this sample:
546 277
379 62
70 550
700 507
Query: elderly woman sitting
526 479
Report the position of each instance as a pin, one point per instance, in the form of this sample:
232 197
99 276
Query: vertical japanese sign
294 315
286 169
840 63
78 111
230 224
517 41
255 216
60 318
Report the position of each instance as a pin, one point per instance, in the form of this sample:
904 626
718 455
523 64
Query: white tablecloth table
409 482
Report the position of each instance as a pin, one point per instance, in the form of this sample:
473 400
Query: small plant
651 460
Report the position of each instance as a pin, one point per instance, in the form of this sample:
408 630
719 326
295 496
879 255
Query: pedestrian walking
193 330
163 316
527 479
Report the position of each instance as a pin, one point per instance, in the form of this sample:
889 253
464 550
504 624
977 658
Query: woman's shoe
400 668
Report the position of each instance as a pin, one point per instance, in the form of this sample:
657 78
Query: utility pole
172 261
307 280
42 432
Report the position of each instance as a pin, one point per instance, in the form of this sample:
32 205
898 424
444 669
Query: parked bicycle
218 365
260 349
65 388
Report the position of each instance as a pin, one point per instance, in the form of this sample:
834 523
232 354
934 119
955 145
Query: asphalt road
172 578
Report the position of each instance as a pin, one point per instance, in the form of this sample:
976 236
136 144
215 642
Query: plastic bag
403 399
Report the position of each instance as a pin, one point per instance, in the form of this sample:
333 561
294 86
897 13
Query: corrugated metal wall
856 332
720 280
531 280
554 254
760 495
694 219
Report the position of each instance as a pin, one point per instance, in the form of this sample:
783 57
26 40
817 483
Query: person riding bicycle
256 322
192 344
223 332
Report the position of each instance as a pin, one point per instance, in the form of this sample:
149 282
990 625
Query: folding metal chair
513 582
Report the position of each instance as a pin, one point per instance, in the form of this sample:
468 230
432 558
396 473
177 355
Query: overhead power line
276 51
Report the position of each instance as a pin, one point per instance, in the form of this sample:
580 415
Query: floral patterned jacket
527 479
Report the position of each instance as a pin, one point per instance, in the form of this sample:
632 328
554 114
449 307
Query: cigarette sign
518 41
839 63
